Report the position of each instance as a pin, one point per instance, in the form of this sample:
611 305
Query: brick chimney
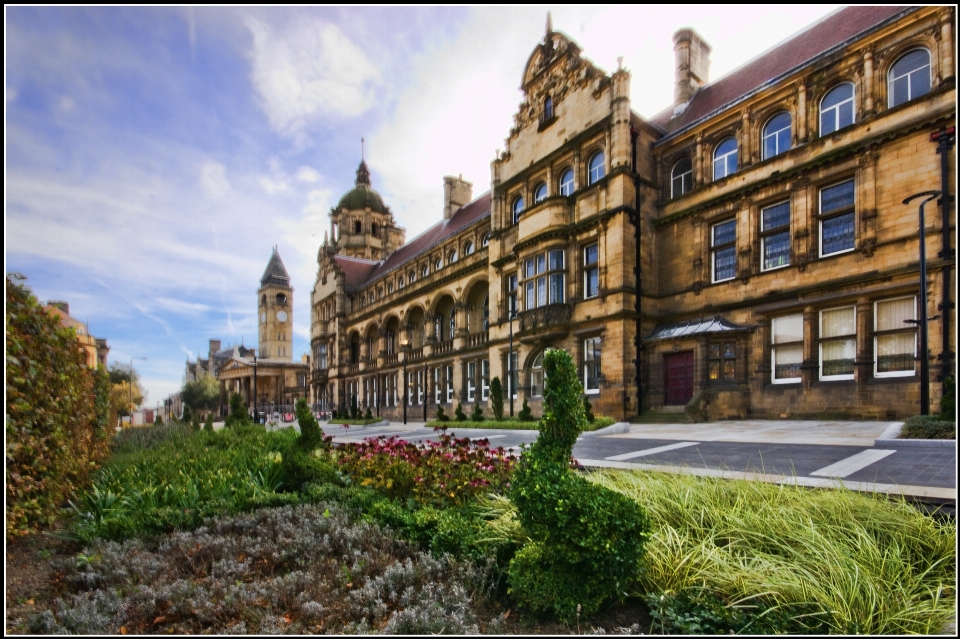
691 64
456 193
214 347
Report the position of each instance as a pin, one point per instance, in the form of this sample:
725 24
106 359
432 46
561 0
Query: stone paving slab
836 433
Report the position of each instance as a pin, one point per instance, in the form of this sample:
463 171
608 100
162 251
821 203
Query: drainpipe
945 139
635 218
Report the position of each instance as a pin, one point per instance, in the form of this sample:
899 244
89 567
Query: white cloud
276 181
307 174
213 177
309 70
181 307
67 104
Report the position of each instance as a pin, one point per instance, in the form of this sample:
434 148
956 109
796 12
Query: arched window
452 257
425 270
536 376
358 227
453 323
725 159
281 299
517 209
548 108
438 264
389 287
468 248
412 277
540 193
836 109
566 183
681 178
596 167
263 300
373 228
400 282
776 135
909 77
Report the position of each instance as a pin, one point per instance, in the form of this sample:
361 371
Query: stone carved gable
553 69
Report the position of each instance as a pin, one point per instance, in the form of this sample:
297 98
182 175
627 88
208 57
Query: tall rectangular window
591 365
545 279
410 388
512 376
449 384
723 247
837 219
485 380
775 236
437 386
322 356
838 343
787 348
895 338
512 307
471 380
420 382
591 271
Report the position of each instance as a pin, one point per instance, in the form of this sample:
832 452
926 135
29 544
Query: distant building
95 349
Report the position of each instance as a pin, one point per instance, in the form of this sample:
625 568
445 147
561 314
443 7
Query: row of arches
908 78
596 169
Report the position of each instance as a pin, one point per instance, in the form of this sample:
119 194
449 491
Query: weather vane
362 158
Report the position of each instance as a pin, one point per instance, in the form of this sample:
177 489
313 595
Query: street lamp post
922 320
510 389
405 347
426 389
131 387
256 411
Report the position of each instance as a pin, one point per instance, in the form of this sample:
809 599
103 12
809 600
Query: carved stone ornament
697 287
541 79
868 246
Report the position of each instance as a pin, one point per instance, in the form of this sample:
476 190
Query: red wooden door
678 378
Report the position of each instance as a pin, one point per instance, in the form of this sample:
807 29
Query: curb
612 429
893 432
914 443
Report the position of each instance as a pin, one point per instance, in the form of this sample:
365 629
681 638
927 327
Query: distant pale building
95 349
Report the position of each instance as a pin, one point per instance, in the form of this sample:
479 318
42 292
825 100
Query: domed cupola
361 225
363 196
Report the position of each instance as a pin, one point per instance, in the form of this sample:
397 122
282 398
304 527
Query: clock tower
275 311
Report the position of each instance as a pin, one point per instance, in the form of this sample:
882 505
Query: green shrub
588 409
929 427
239 416
208 424
589 540
477 414
158 420
354 411
496 398
525 415
311 435
461 417
368 414
132 440
948 403
443 417
195 422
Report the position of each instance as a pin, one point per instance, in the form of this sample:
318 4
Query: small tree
354 411
311 435
477 414
208 425
238 412
526 415
368 414
443 417
459 414
159 420
496 399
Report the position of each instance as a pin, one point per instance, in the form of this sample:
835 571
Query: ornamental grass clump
822 560
588 540
449 471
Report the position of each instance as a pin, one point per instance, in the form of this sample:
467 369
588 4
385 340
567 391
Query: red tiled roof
802 48
355 270
436 234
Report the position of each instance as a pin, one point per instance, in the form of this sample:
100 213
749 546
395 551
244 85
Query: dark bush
460 415
208 424
477 414
311 435
442 416
525 415
948 403
588 409
496 398
239 416
929 427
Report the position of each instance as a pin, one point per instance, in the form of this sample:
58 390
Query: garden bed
929 427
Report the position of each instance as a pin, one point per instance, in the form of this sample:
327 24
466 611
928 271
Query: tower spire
362 158
549 23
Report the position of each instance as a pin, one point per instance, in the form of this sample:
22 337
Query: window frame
890 79
539 193
468 248
716 249
592 358
517 208
774 346
596 172
725 158
775 136
846 337
685 178
878 334
535 376
566 188
539 275
839 212
591 268
837 109
766 233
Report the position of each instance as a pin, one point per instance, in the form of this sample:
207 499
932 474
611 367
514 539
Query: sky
154 156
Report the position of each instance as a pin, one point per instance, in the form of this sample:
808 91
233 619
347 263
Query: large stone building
95 349
746 252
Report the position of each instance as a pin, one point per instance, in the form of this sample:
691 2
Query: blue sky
154 156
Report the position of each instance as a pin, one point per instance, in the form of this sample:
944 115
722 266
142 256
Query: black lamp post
510 386
922 321
405 347
425 389
256 411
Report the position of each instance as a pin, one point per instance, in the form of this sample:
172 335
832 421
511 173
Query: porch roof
715 324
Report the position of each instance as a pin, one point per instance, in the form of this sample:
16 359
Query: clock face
263 318
281 316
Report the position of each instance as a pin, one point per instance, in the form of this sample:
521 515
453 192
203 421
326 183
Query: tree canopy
202 394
